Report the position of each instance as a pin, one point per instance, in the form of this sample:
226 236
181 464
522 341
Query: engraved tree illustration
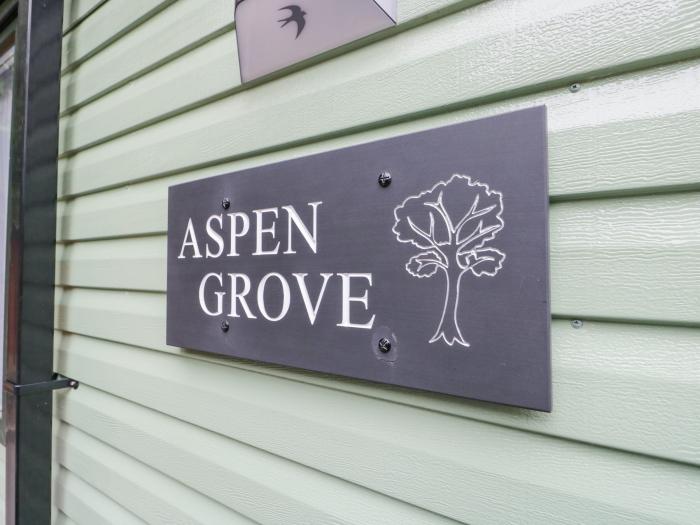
452 223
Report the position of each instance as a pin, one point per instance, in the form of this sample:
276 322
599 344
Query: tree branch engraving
452 223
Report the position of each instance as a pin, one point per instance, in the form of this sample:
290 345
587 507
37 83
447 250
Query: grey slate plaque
437 281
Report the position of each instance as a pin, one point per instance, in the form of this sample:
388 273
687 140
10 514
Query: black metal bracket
57 382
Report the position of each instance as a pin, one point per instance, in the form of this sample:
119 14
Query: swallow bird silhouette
297 15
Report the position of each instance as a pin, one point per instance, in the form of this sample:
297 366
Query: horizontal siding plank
178 28
196 76
62 519
113 19
452 466
156 41
265 487
634 258
616 134
456 60
410 10
638 248
83 504
205 72
155 498
610 138
622 386
76 11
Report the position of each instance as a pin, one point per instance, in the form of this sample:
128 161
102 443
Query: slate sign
433 276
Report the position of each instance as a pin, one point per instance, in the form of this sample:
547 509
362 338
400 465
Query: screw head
384 345
225 326
226 203
576 323
384 179
575 87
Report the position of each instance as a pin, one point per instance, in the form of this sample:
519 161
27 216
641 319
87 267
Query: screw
576 323
384 345
226 203
384 179
574 88
224 326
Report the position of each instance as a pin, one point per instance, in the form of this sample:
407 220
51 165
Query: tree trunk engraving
452 223
448 329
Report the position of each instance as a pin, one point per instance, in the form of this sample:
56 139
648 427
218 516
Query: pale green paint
378 84
620 135
75 11
107 24
628 244
163 435
457 467
85 504
155 498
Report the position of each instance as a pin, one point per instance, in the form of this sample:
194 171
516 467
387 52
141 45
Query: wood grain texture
205 72
460 60
158 40
634 258
104 26
158 434
634 133
623 386
265 487
195 77
136 487
179 28
83 504
653 114
458 471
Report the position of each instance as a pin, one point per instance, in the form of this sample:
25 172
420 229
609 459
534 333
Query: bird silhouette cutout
297 15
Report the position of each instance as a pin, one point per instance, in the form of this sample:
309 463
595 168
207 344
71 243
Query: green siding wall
151 97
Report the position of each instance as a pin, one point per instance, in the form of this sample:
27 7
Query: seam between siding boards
304 466
123 31
94 487
122 82
246 445
680 189
386 34
75 23
58 437
335 388
532 89
600 74
322 57
558 317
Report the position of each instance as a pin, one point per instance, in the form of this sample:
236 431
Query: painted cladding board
365 89
75 11
152 97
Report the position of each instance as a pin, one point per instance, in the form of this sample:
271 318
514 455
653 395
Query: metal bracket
57 382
